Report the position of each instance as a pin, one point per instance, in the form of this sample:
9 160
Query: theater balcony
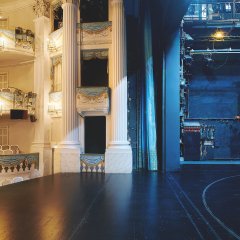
16 46
93 101
96 35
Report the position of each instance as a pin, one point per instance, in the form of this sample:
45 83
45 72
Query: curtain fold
157 21
149 97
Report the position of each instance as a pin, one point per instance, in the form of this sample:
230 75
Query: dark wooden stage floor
197 203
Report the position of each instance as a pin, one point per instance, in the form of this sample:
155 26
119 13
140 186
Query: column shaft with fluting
119 81
118 157
69 74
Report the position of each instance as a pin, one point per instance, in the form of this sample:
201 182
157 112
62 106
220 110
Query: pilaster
41 142
68 153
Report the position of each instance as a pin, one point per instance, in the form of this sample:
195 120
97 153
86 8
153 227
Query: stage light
218 35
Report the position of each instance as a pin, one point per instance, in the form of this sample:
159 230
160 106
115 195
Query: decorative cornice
42 8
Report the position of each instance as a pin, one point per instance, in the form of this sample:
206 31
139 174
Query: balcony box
93 101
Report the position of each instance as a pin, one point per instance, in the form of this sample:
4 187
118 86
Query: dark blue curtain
150 25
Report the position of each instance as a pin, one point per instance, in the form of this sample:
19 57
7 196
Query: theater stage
199 202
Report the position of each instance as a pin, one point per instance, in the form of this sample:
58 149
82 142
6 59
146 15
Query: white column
68 155
119 153
41 142
69 74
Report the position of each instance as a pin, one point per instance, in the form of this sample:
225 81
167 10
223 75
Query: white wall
21 132
20 77
56 130
20 18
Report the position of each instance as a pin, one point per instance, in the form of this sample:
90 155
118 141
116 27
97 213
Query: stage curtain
157 20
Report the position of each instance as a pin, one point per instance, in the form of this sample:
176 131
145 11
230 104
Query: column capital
41 8
75 2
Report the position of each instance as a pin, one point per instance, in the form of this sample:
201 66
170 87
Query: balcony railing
12 98
96 33
18 167
19 40
93 101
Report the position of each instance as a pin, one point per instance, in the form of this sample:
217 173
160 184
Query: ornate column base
67 158
45 157
118 159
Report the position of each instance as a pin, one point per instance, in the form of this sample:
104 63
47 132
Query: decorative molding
56 60
96 33
18 167
11 44
93 101
55 104
57 38
7 161
90 34
13 98
42 8
95 54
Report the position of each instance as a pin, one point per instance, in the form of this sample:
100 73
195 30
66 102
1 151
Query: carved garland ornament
42 8
92 99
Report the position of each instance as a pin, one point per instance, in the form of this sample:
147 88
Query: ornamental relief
82 98
41 8
93 99
96 33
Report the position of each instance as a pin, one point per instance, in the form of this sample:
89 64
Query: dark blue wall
165 78
214 99
227 140
216 93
